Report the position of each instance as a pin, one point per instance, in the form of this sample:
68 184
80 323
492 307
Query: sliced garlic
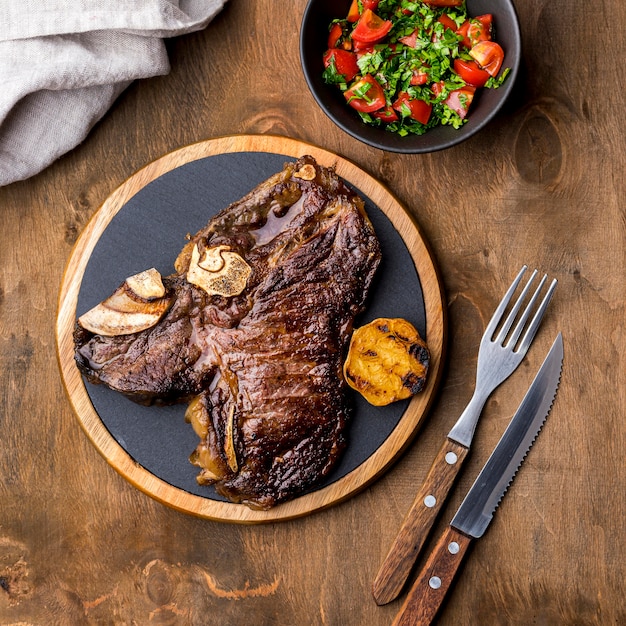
132 307
219 271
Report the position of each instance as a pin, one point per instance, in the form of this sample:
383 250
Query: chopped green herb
494 83
333 77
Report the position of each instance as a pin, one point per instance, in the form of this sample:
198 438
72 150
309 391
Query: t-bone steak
256 349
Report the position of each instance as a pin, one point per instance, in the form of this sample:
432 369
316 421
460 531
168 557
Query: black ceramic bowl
313 37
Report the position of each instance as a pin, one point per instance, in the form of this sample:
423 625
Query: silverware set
503 346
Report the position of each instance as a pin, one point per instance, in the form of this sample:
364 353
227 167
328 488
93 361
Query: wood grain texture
416 526
543 184
179 499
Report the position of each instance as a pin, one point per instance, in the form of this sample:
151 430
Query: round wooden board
180 499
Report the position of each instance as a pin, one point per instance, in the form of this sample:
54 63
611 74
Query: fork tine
514 311
526 314
529 335
499 312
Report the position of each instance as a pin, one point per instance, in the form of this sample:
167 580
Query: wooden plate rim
175 497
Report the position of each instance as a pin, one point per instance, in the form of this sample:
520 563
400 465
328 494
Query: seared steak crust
262 369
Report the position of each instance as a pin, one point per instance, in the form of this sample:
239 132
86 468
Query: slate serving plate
143 224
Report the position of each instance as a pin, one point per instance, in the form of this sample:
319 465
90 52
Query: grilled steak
260 369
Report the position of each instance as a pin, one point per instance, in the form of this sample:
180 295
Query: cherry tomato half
480 28
489 55
410 40
437 88
358 46
420 77
460 100
353 13
370 28
387 115
471 73
337 38
476 29
419 109
448 22
365 95
345 62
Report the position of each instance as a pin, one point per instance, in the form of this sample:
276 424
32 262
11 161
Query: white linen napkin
64 62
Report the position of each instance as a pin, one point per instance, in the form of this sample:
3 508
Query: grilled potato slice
387 361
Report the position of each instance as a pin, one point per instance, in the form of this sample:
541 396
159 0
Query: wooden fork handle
416 526
432 584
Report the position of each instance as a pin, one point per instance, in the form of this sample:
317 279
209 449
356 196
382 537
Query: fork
499 354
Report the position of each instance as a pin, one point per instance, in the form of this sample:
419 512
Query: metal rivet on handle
430 501
453 547
434 582
451 458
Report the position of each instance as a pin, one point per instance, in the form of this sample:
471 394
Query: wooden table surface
542 185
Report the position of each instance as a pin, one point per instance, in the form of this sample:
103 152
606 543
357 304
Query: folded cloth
64 62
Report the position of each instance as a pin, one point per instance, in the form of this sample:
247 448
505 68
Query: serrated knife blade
477 509
481 501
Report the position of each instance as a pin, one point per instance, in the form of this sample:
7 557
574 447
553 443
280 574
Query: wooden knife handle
403 553
432 584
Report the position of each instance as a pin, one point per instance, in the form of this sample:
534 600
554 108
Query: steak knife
477 509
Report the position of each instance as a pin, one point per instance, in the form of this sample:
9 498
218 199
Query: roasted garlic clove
139 303
218 271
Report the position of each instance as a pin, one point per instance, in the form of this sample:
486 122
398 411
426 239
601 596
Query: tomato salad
409 66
